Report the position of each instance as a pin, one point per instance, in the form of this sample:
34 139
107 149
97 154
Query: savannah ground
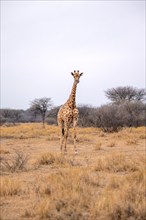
106 180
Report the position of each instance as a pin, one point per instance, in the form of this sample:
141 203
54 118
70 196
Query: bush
52 116
87 116
112 117
109 118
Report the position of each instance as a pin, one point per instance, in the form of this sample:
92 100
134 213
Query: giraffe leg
75 121
61 135
66 129
75 135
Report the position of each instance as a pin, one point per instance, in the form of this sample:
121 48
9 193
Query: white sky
43 41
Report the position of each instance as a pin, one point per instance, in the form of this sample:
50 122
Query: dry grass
117 163
59 160
111 144
66 195
97 146
132 141
3 151
9 187
29 130
106 181
15 163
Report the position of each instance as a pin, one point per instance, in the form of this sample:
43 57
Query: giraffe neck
71 101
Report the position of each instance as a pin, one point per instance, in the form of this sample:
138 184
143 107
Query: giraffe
68 114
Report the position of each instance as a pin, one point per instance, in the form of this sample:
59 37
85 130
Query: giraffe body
68 115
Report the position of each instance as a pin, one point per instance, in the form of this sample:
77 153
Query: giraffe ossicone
68 114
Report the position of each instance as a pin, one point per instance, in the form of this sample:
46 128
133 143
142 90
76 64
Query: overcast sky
43 41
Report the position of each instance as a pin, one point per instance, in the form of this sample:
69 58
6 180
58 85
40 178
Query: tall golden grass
9 187
106 181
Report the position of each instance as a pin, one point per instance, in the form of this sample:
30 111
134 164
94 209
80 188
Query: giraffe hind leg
66 129
62 131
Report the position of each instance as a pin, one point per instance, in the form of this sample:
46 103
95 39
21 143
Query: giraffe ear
81 74
72 73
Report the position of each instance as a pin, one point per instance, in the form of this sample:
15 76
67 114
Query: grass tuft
9 187
48 158
116 163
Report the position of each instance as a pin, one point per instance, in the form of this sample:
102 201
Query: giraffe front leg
61 135
75 135
75 121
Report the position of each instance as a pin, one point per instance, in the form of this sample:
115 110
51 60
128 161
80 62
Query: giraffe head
76 75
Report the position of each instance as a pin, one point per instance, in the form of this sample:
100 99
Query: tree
40 106
127 93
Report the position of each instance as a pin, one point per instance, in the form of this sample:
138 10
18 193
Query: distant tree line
36 113
127 108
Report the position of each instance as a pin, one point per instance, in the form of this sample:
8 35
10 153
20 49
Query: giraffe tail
62 131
